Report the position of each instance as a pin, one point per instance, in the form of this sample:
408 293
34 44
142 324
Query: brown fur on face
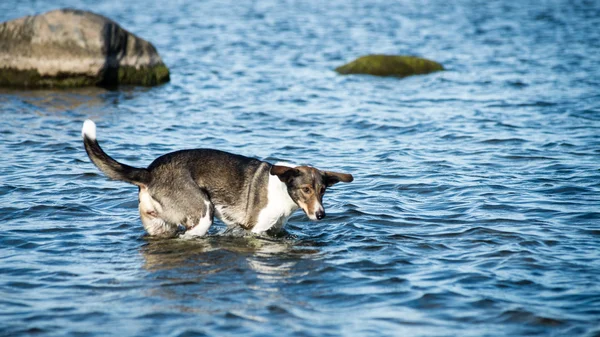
306 186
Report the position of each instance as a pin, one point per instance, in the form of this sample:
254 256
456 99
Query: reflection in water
202 276
47 100
59 100
271 271
198 269
179 253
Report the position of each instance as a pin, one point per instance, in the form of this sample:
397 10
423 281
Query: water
474 211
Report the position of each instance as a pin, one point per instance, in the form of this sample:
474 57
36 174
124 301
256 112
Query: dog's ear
284 173
331 178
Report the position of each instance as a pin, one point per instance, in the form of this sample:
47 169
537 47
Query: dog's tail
112 168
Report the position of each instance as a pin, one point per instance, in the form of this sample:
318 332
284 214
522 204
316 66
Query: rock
73 48
389 65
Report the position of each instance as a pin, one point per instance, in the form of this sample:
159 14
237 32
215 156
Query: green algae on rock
390 65
69 48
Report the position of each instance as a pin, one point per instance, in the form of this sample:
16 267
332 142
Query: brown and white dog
190 187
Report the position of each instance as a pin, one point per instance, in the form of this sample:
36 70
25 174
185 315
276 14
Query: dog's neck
279 197
279 208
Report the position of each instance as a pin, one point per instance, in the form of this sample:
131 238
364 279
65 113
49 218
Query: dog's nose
320 215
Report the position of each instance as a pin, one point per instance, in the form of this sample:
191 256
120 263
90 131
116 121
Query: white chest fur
279 207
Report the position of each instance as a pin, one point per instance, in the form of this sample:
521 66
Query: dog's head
306 186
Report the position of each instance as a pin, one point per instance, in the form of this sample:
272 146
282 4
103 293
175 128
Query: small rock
390 65
73 48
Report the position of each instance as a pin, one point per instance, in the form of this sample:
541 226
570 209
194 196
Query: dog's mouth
315 215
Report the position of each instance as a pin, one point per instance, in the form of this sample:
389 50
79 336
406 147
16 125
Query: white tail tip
89 129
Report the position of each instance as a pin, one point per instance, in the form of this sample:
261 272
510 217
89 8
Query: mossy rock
10 77
390 65
145 76
69 48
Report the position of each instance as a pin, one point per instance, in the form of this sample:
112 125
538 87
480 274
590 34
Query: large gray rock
73 48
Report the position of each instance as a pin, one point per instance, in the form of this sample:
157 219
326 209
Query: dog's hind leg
200 222
158 227
185 203
176 200
150 210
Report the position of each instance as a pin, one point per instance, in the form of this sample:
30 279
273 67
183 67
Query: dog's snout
320 214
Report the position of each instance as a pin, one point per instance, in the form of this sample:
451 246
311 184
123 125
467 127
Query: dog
188 188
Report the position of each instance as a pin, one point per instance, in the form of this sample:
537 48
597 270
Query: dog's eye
306 190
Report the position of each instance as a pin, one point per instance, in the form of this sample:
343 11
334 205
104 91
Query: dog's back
235 184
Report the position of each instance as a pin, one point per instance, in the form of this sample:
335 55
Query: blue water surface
475 209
